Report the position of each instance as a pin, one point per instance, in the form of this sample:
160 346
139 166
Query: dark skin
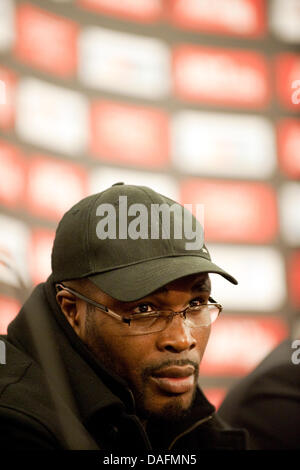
138 359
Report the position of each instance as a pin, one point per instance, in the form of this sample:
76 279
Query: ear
69 306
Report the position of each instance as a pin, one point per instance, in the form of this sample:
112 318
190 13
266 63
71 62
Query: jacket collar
163 433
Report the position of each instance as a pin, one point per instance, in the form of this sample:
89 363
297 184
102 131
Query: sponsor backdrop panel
199 99
8 81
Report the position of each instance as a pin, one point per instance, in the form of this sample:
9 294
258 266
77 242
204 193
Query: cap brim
139 280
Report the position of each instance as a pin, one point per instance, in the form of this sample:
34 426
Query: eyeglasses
198 316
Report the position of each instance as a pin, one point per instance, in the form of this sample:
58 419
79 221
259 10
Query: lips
175 371
175 379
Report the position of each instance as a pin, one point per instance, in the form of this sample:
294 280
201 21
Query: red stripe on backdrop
54 186
46 41
230 77
12 175
288 135
247 213
238 343
130 135
287 73
241 18
145 11
294 278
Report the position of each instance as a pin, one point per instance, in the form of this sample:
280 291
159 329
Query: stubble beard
172 412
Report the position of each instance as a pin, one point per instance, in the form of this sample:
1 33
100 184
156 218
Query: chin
171 409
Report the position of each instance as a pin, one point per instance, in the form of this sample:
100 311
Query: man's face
160 368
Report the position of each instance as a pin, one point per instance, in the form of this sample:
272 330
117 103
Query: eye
198 301
144 308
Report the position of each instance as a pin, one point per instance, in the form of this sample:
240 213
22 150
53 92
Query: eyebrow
202 285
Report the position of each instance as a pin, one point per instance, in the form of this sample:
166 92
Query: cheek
122 355
126 355
202 337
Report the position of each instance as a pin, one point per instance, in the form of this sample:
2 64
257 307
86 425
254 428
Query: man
106 353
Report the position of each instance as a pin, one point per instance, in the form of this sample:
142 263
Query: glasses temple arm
82 297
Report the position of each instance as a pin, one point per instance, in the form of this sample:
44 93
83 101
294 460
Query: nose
176 337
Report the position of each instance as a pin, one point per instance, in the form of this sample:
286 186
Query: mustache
150 370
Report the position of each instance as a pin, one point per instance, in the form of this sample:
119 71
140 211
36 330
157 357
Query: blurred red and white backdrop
199 99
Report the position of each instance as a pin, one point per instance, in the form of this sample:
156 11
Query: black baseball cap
127 264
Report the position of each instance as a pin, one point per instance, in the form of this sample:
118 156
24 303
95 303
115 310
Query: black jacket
267 402
55 395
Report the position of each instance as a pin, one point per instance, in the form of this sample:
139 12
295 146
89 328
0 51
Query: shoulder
267 402
23 431
273 379
26 418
